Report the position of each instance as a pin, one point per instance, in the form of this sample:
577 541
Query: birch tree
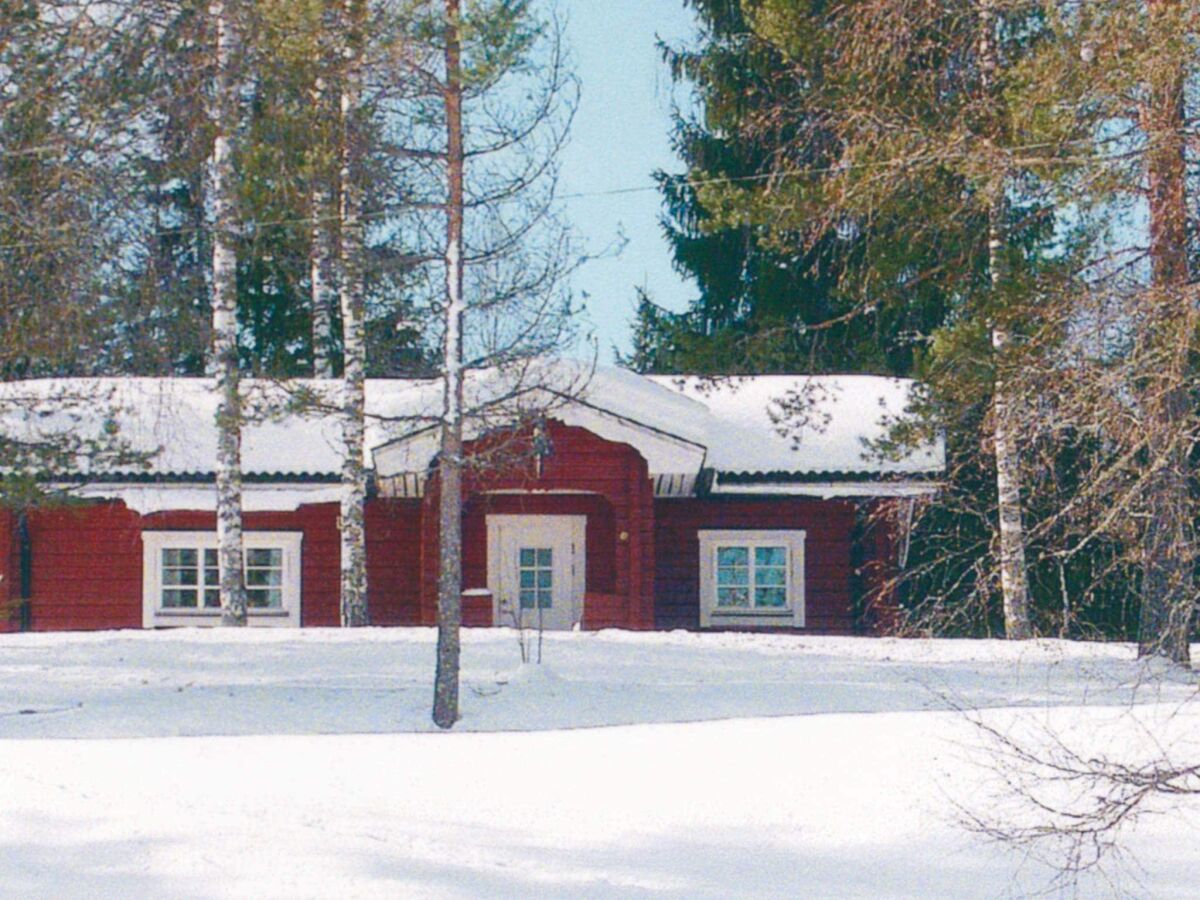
321 246
224 15
1014 579
350 283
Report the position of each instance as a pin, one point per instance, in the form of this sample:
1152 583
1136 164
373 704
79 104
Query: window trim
713 616
154 542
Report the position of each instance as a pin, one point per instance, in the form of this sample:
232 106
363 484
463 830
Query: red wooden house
617 501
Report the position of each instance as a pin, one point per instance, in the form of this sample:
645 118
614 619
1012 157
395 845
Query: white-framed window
752 578
180 578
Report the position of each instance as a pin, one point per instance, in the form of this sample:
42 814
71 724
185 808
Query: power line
391 209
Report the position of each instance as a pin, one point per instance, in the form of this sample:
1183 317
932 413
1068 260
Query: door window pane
535 572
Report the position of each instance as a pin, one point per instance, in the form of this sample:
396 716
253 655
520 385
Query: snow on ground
302 764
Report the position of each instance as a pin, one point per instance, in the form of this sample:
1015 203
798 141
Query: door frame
572 527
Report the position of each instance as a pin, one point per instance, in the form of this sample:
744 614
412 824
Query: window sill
776 613
214 613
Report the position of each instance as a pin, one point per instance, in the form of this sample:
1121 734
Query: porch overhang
402 466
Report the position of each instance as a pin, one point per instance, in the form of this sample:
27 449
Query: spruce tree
886 172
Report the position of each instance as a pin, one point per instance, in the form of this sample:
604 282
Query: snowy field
274 764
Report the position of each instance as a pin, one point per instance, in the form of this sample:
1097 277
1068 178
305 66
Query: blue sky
620 137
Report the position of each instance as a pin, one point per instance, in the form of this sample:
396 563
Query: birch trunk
354 484
1014 582
320 254
1168 543
224 310
450 466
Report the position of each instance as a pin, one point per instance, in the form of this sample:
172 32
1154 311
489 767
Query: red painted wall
880 550
829 527
87 561
87 567
10 573
393 561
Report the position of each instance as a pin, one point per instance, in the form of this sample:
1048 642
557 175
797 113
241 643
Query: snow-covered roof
805 424
772 426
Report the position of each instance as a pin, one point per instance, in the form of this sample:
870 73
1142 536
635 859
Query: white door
536 569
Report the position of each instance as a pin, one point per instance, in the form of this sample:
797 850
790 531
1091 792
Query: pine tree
488 104
450 462
1168 593
1115 75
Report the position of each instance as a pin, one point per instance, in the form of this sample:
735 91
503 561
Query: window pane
527 558
544 556
210 558
212 599
212 576
264 599
770 577
770 596
527 598
733 597
264 557
733 575
770 556
179 556
173 577
545 600
528 577
733 556
545 578
264 577
178 599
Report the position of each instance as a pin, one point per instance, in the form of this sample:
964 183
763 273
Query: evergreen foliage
835 214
